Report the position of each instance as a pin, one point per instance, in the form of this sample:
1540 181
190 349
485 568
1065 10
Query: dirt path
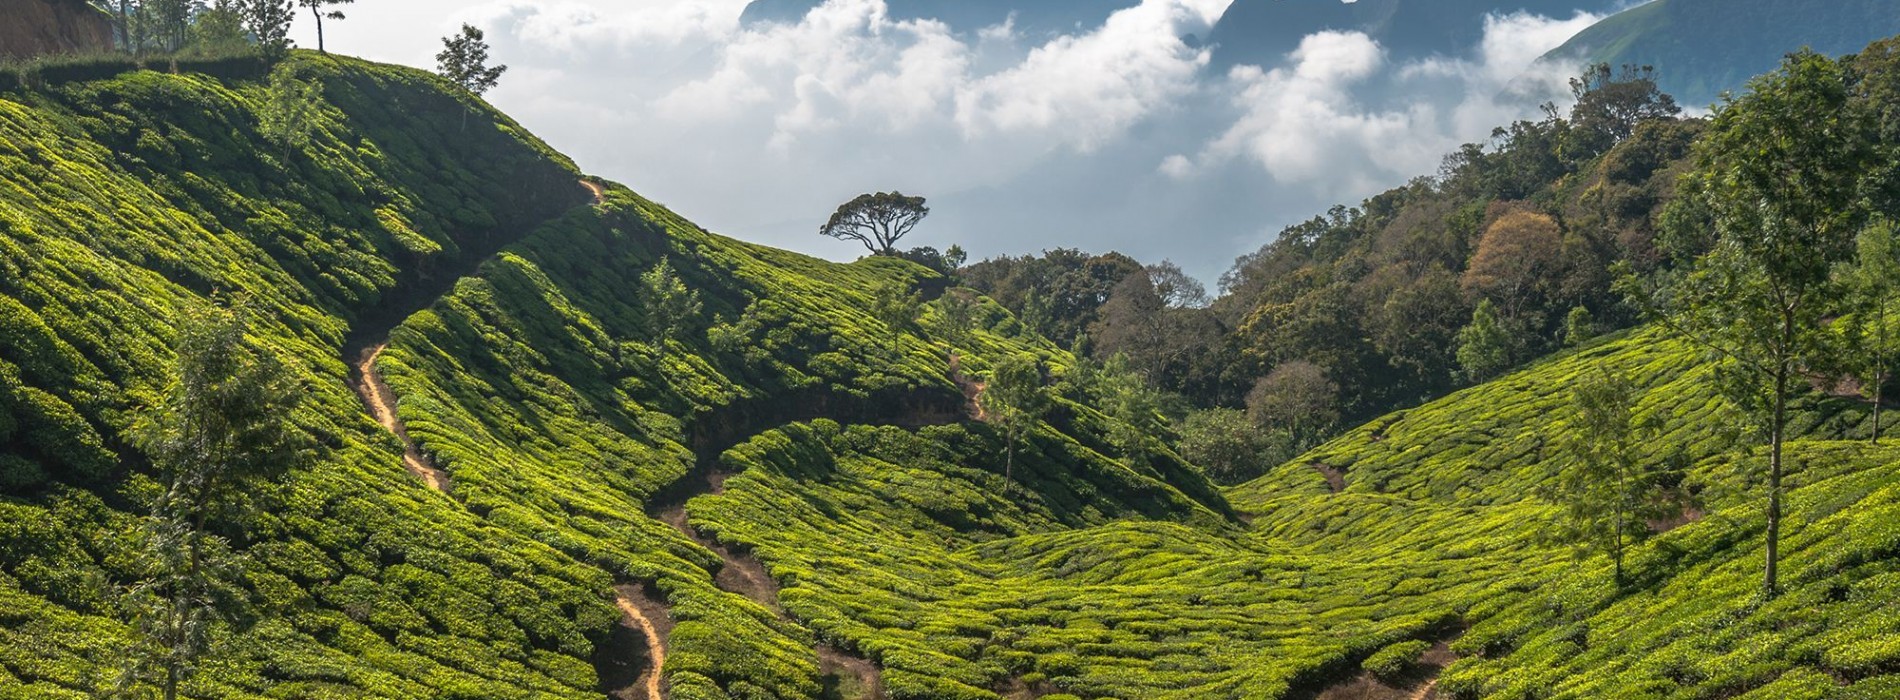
845 675
641 614
972 389
647 618
1421 683
381 403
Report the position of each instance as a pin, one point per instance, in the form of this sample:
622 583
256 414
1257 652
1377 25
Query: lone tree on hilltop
317 11
464 61
876 220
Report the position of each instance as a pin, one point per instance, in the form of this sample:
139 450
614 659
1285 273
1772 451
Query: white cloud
1309 122
1116 137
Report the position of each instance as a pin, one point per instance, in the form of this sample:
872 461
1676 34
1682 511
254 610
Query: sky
1115 138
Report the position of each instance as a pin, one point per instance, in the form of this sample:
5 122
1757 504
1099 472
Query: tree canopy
877 221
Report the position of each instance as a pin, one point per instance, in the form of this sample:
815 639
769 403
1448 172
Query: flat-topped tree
877 221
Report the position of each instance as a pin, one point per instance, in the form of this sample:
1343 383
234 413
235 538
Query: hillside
528 482
1702 48
1450 494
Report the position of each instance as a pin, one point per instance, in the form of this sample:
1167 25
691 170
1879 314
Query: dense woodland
1593 412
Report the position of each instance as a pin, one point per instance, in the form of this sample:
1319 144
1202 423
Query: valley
532 435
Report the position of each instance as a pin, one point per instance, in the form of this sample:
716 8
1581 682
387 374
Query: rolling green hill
1702 48
790 499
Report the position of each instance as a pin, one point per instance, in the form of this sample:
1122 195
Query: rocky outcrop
30 28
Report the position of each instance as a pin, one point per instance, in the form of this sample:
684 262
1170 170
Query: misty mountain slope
1702 48
1263 32
1033 19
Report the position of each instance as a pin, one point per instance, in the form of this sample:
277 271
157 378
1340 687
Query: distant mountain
1704 47
1264 31
1037 17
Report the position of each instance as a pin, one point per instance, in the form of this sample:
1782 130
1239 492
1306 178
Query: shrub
1395 660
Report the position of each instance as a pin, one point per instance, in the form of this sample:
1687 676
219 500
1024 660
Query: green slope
1449 490
803 507
1703 48
525 376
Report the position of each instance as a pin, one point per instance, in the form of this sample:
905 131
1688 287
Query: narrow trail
847 675
381 402
641 615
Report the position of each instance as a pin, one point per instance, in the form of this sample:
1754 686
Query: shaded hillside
30 28
1702 48
1263 32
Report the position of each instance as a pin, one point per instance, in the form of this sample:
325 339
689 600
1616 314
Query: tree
1776 176
1229 446
1611 104
464 61
957 309
1297 398
1134 405
1873 279
669 304
1608 494
1176 289
290 109
1579 326
1486 347
877 221
268 21
1015 400
219 29
317 11
897 306
1517 262
222 425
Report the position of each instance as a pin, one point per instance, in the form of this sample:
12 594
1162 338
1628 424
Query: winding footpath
637 612
741 573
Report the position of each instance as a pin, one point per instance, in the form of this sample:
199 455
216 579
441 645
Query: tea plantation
534 373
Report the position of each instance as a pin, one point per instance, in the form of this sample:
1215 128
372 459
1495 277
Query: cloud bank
1117 137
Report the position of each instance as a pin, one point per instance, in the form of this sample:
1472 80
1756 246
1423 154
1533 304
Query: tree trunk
317 13
1009 460
1777 424
1880 364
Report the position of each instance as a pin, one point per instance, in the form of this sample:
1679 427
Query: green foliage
464 61
289 109
1609 494
1777 176
1486 347
1015 398
1229 446
1394 661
